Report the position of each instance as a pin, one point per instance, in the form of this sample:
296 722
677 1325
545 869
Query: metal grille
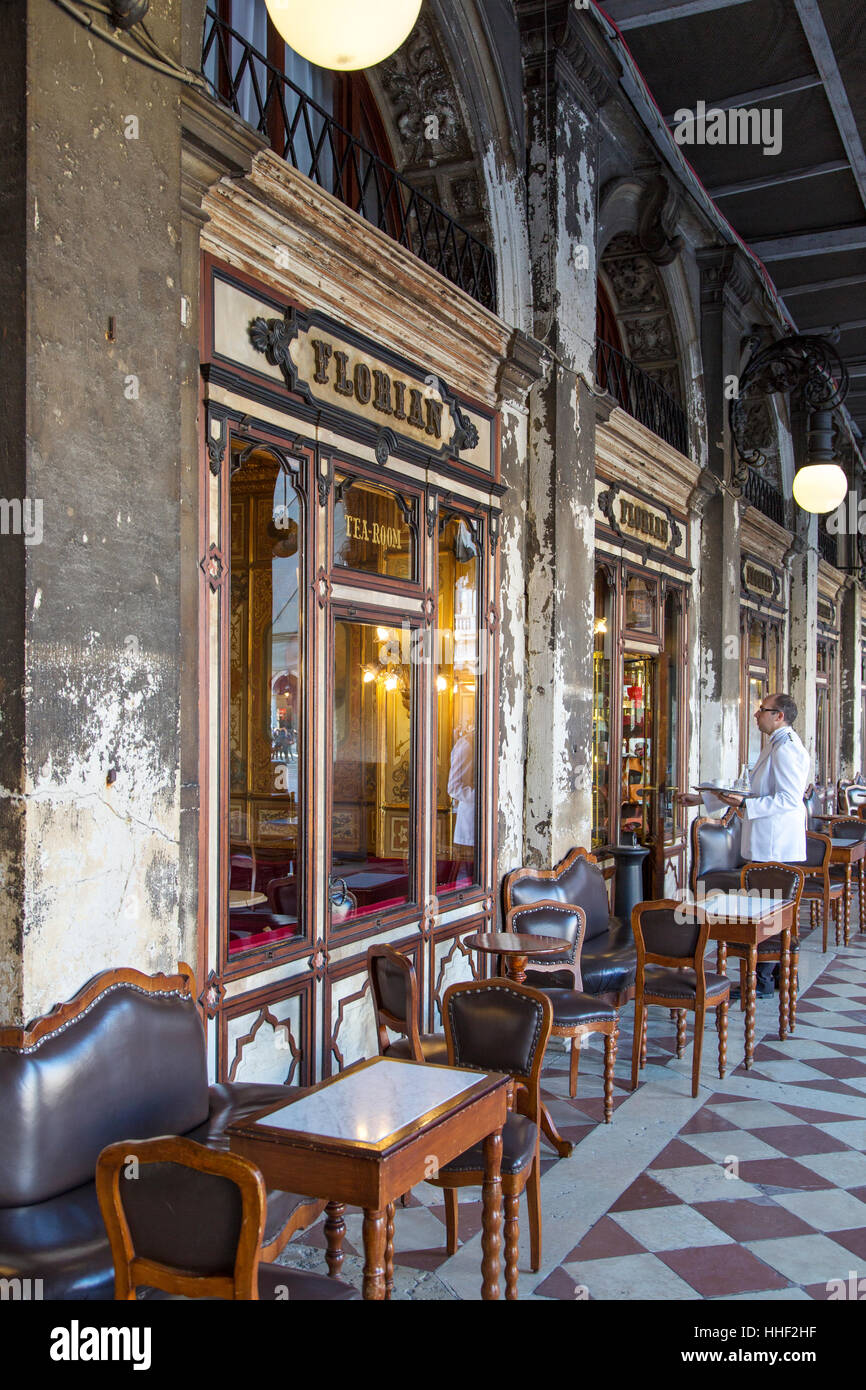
642 397
828 545
765 497
318 146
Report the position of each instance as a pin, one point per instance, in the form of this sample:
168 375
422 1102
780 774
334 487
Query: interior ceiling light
344 34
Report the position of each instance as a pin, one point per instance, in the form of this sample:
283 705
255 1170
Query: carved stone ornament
465 431
216 441
659 212
213 567
273 338
706 486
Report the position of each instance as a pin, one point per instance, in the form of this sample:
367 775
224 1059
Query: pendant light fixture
344 34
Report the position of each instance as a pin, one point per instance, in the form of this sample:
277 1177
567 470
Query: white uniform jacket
774 821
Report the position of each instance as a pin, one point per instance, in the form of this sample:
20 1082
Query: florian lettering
342 386
756 579
644 521
382 393
324 353
371 385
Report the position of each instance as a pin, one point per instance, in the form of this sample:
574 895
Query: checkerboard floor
754 1190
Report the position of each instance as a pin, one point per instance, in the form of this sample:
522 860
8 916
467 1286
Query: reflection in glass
265 715
456 675
640 604
374 528
757 691
669 701
638 745
601 661
371 817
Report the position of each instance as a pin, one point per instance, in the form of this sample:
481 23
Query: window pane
757 691
265 707
638 745
601 659
640 604
374 529
671 691
456 673
372 862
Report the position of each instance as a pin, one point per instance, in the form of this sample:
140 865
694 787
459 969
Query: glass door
638 795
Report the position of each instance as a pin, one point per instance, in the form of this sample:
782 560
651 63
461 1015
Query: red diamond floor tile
559 1285
737 1271
745 1220
839 1066
780 1172
605 1240
852 1240
706 1122
837 1087
645 1192
816 1117
796 1140
678 1155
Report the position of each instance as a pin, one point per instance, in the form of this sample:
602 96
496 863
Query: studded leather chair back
497 1025
576 879
716 845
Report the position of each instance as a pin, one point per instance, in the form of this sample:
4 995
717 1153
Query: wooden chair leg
512 1242
610 1044
861 884
533 1202
826 928
639 1009
698 1048
681 1032
793 988
722 1028
742 985
451 1220
643 1036
573 1065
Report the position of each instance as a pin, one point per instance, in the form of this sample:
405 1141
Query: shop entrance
649 759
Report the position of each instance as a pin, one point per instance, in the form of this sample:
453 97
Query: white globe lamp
344 34
820 487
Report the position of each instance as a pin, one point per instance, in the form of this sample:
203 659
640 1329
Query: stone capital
526 362
726 280
562 44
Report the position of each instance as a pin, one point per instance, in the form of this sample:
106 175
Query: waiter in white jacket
774 817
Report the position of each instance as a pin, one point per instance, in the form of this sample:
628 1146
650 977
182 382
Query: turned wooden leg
335 1229
533 1202
610 1044
847 909
751 1005
861 883
512 1242
743 989
389 1250
722 1027
375 1235
643 1033
784 982
681 1032
722 958
491 1216
794 989
635 1042
573 1065
697 1050
452 1208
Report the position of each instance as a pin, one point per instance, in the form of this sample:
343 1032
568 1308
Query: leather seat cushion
608 964
519 1138
766 948
572 1007
728 880
433 1046
681 984
63 1240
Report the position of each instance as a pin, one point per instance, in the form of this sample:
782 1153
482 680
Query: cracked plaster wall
93 882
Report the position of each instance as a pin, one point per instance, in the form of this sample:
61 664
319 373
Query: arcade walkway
755 1190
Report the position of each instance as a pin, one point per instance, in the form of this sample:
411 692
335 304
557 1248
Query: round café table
516 948
242 897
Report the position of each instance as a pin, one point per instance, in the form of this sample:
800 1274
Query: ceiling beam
825 61
845 326
841 282
759 94
794 247
816 171
637 14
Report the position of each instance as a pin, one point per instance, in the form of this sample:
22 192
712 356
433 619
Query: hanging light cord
149 54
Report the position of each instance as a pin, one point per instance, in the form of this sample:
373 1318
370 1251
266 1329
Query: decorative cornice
563 44
214 143
725 277
707 486
526 362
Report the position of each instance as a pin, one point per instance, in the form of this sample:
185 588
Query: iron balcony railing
642 397
307 137
828 545
767 498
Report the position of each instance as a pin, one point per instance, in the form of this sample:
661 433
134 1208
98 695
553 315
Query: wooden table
517 948
850 852
746 920
242 897
367 1136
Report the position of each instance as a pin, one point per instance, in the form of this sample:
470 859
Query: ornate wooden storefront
348 626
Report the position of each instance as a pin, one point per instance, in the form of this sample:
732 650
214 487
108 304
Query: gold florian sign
643 522
759 579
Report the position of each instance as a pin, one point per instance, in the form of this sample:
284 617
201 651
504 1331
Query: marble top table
242 897
365 1137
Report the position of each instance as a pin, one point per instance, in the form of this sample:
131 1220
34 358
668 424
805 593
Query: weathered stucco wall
100 617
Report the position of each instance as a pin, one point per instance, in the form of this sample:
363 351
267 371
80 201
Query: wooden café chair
498 1025
786 880
187 1221
575 1013
824 886
394 988
671 972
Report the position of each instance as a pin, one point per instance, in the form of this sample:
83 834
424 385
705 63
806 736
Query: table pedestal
628 883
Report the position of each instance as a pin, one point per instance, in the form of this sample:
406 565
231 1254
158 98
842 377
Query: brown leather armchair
608 958
716 854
